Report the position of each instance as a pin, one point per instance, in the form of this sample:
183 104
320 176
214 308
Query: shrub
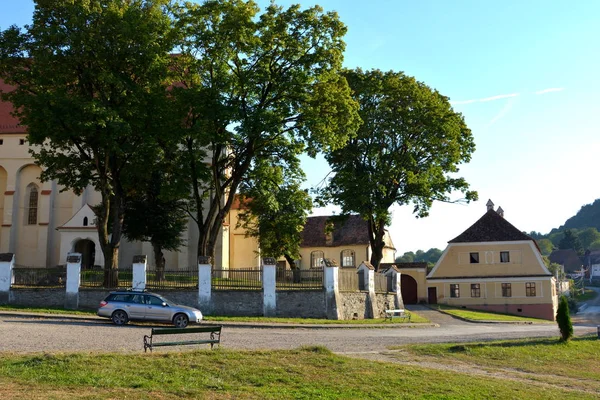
573 307
563 319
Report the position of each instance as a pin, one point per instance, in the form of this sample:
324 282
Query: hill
587 217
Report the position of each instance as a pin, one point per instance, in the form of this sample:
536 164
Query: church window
32 204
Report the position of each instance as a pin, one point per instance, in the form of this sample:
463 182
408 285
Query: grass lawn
487 316
222 374
588 295
577 362
415 318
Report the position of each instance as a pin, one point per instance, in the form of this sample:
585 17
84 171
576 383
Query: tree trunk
376 239
160 262
290 261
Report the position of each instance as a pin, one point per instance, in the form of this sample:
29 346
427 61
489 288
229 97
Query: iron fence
172 279
23 276
241 279
117 278
381 283
299 279
348 280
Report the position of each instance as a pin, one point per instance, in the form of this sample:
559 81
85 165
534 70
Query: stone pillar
368 272
394 274
269 285
332 294
73 281
139 272
205 303
7 261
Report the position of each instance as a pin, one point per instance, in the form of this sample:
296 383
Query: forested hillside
587 217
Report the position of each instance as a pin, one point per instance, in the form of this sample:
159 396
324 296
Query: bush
563 319
573 307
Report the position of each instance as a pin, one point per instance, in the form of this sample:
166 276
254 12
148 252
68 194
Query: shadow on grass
461 348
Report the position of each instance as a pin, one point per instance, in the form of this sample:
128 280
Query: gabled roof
353 231
567 258
76 221
491 228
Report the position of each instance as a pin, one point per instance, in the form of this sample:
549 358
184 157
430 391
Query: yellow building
494 266
345 242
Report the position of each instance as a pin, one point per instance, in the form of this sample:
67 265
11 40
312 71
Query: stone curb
257 325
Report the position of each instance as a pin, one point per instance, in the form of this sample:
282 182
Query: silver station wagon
124 306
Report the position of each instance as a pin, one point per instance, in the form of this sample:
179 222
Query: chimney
489 205
500 212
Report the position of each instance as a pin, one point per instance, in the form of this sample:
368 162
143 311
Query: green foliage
430 256
571 240
90 86
406 152
563 319
595 245
588 216
546 246
255 87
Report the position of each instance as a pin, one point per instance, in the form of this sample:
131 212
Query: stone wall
37 297
385 301
301 304
354 305
237 302
90 298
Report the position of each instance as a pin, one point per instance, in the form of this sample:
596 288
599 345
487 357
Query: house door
87 248
432 295
408 285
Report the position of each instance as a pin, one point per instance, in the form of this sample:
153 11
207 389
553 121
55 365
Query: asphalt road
25 334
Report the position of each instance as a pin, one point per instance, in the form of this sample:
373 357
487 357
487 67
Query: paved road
589 312
34 334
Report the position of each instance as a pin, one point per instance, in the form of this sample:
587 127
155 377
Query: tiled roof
352 231
491 228
8 123
568 258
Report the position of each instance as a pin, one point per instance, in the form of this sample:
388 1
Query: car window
138 299
120 297
155 301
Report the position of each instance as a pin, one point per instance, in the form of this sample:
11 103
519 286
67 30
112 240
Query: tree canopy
255 86
406 152
90 87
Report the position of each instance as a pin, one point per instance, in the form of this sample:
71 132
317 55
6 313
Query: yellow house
345 242
494 266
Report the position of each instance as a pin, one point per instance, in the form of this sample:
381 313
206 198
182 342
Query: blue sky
523 74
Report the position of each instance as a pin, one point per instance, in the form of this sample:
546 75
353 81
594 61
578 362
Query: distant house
592 264
568 258
494 266
346 242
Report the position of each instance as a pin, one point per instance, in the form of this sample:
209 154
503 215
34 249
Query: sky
522 73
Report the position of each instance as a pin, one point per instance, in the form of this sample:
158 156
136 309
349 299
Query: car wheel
180 320
120 317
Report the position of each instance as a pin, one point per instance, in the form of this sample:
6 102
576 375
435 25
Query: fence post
7 261
269 287
138 281
394 274
205 285
73 281
332 294
368 272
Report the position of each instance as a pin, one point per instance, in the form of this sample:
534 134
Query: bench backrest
199 329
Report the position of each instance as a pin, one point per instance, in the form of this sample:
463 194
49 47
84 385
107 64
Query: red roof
8 123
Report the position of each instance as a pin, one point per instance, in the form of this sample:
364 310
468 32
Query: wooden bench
214 330
391 314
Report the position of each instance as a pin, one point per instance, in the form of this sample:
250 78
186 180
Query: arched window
85 221
32 204
316 259
348 259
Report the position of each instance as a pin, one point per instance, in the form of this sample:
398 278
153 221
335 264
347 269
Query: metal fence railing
381 283
23 276
298 279
120 278
172 279
348 280
241 279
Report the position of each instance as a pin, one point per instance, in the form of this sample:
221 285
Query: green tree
407 152
545 246
563 319
156 214
255 87
595 245
570 240
90 79
587 236
407 257
275 211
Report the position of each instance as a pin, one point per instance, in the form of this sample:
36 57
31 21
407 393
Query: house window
530 289
32 204
474 258
504 257
455 290
506 290
348 259
1 141
85 221
316 259
475 290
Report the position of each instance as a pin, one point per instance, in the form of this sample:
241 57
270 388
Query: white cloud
507 107
486 99
549 90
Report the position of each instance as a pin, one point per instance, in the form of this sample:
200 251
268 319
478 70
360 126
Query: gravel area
55 334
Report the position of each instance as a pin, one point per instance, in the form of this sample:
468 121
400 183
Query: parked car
123 306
